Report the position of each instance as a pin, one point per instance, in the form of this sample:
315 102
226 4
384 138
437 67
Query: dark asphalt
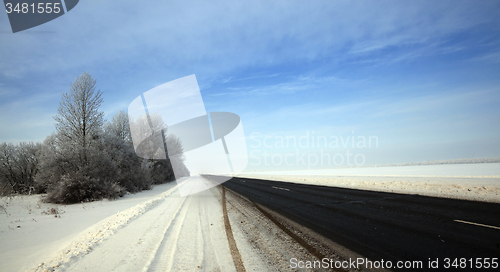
387 226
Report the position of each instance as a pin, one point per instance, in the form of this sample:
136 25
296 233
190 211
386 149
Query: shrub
128 171
77 187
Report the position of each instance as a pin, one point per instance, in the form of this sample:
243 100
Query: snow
181 233
29 233
156 230
480 181
160 230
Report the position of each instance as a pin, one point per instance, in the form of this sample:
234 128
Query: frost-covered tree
87 159
153 130
174 145
78 118
117 143
8 175
119 126
67 180
75 165
53 164
18 167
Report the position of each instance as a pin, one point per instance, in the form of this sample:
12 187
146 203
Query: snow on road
180 234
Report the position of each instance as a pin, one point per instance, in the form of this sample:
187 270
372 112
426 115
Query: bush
77 187
53 164
71 174
127 165
160 171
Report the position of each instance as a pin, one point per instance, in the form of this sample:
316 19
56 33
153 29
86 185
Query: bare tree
18 167
153 130
8 173
74 166
28 164
119 127
78 117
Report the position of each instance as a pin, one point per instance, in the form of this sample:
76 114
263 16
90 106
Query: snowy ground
155 230
479 182
31 231
179 234
160 230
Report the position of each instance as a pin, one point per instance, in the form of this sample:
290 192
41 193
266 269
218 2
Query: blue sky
421 76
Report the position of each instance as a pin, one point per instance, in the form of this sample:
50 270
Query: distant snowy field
480 181
441 170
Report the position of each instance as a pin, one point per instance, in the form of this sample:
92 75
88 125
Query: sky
420 79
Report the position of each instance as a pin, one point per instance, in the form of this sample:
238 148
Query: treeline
86 159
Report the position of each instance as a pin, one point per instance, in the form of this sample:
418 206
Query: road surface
387 226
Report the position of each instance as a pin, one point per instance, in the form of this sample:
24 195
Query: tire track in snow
161 260
195 240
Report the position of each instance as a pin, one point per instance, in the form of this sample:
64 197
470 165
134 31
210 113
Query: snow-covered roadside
480 182
163 232
30 232
179 234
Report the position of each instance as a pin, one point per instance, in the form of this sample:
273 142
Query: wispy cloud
293 85
489 57
207 83
7 91
235 34
371 46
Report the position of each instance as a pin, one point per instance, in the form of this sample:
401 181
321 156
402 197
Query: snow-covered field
31 231
479 181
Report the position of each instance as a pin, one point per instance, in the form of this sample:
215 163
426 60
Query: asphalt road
388 226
